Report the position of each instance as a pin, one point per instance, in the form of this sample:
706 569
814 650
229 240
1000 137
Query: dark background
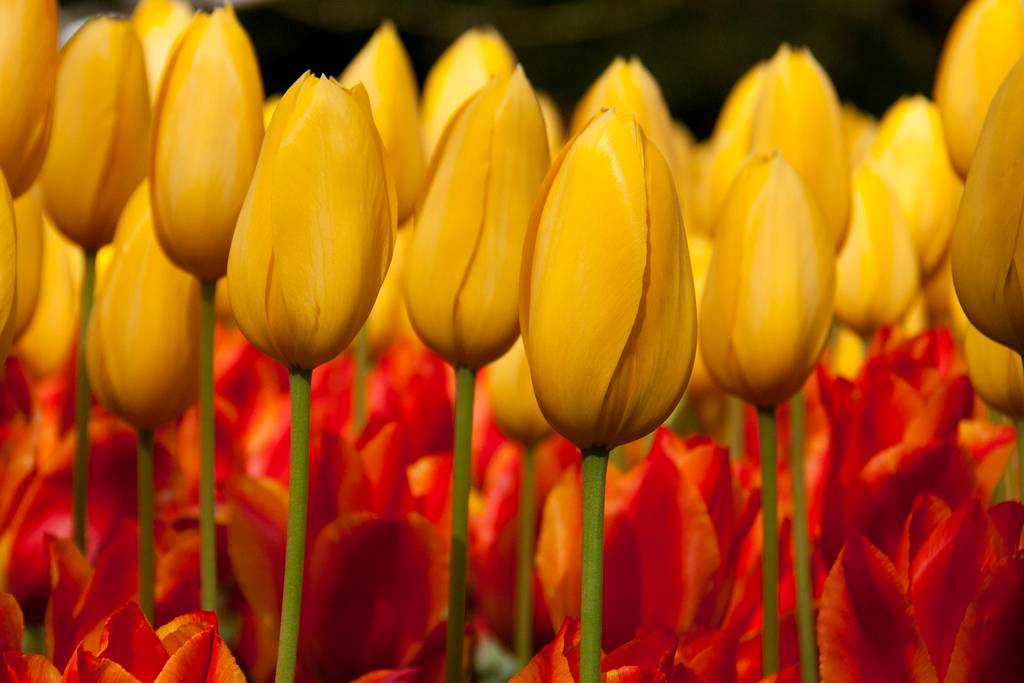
874 50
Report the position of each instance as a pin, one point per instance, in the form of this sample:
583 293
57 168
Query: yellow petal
995 372
553 124
8 267
159 23
28 223
513 403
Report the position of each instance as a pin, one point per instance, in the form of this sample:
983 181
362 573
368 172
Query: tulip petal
12 623
131 642
203 658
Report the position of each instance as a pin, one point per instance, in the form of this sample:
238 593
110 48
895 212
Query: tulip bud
269 107
474 58
314 238
985 42
700 248
606 299
28 226
846 355
206 138
388 321
462 273
876 272
909 153
141 355
45 345
513 403
995 372
384 69
695 196
28 68
859 130
770 288
8 269
915 320
987 238
98 148
553 124
159 23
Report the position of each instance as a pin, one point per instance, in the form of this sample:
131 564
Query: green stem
147 555
770 554
362 373
80 474
465 385
595 468
295 543
802 546
207 452
524 557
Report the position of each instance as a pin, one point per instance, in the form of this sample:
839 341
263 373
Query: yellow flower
388 321
315 237
770 288
207 129
996 373
476 56
141 353
985 42
462 273
694 187
700 259
915 320
876 272
553 124
909 153
98 148
513 403
159 23
606 300
846 356
28 67
988 249
269 107
8 266
860 130
45 346
28 226
383 68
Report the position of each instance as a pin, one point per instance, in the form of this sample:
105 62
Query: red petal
202 658
129 640
388 676
705 658
550 665
27 668
926 515
1008 518
175 633
652 651
12 623
85 667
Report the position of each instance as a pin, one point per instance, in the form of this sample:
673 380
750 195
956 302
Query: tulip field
368 381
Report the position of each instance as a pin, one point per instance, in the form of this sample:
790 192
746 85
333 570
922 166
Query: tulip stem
362 372
524 557
802 546
770 553
465 385
595 468
207 453
147 555
295 543
80 476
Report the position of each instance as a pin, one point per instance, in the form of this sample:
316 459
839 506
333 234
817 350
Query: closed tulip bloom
995 371
45 345
700 248
475 57
553 124
513 403
985 42
28 225
846 354
859 129
207 129
388 321
606 301
98 148
269 107
770 288
314 238
8 267
384 69
462 273
28 68
159 23
141 354
876 272
987 245
909 153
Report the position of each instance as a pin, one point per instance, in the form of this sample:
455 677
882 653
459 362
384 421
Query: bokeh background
874 50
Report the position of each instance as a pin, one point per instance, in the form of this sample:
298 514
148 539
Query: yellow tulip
770 288
98 148
462 273
909 153
988 252
159 23
141 353
553 124
695 195
28 67
846 356
269 107
630 89
859 130
700 248
606 300
985 42
915 320
314 238
388 321
939 294
996 373
28 225
467 65
513 403
207 129
45 346
384 69
958 321
8 268
876 272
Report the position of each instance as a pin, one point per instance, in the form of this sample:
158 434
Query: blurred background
874 50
